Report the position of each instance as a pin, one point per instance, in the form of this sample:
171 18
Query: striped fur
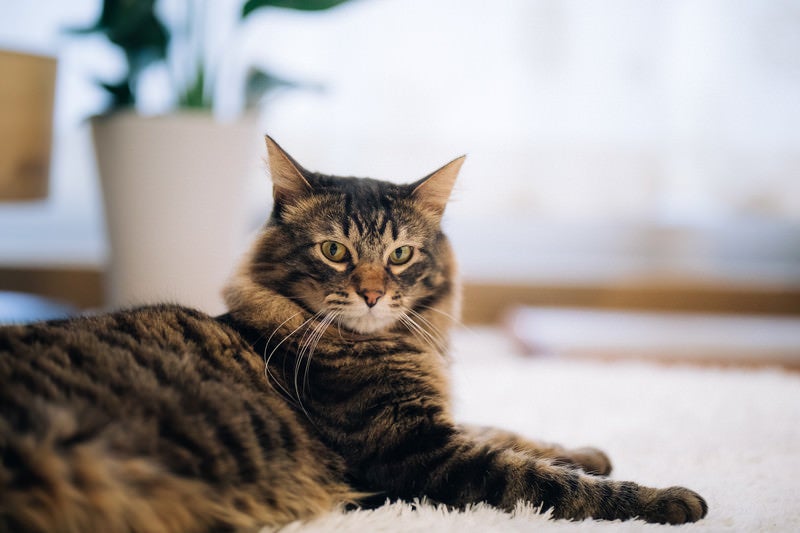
324 385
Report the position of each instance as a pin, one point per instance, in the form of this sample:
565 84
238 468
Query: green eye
401 255
335 251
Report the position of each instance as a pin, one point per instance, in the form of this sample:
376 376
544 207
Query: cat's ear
433 191
288 182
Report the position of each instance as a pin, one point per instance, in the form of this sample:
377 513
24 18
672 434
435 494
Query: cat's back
113 359
162 395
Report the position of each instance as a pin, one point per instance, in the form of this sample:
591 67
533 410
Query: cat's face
363 254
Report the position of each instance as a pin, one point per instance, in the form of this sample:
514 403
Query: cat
323 386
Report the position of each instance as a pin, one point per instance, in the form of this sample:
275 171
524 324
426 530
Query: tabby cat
323 386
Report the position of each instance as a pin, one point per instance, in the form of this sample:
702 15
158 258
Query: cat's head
367 254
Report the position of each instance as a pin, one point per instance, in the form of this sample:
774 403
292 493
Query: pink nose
371 296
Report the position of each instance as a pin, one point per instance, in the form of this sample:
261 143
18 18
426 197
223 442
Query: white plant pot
174 189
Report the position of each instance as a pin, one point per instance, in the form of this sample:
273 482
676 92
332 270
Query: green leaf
120 16
132 25
121 94
194 97
301 5
148 34
260 82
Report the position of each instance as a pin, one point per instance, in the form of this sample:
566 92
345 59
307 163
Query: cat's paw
675 505
591 460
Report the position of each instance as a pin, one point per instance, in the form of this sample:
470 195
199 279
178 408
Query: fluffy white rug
731 435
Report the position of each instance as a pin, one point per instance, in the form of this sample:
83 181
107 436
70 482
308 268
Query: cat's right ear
288 182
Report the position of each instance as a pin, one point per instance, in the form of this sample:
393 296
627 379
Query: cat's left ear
434 190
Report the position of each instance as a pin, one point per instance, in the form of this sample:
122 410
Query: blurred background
635 156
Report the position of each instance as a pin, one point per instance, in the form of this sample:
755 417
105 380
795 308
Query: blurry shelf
696 338
486 302
79 286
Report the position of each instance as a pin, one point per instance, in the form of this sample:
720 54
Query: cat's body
325 384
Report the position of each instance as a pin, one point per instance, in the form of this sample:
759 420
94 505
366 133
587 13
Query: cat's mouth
362 319
356 314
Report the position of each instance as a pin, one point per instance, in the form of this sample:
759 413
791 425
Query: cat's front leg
589 459
505 477
449 468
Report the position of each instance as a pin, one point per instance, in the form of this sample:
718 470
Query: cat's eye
401 255
334 251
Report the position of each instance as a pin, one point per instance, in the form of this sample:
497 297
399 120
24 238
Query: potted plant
174 184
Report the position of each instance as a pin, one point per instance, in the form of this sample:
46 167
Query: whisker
339 325
311 337
268 373
414 328
427 322
303 348
420 332
452 318
302 345
327 321
436 336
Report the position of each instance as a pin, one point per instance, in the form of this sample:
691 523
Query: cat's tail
64 475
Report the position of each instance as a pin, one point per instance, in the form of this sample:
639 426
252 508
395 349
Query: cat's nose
369 282
371 296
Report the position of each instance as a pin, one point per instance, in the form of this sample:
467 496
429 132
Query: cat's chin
368 323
